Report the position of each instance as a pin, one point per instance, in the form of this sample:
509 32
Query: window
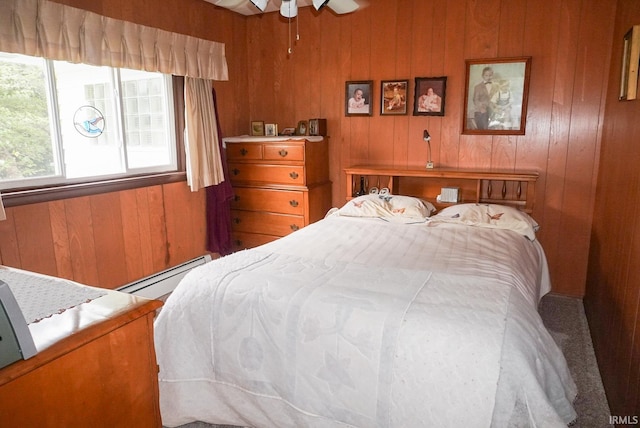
63 123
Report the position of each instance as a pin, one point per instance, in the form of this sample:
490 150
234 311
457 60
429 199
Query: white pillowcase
491 216
394 208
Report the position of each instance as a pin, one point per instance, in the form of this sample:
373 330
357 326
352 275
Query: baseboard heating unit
162 283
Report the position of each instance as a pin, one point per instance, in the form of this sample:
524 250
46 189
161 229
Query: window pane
26 145
67 123
149 132
90 136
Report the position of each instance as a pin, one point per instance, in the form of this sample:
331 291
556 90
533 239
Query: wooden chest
280 186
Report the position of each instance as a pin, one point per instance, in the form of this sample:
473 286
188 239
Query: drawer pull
294 227
293 175
235 171
238 243
293 203
236 220
244 151
236 198
283 153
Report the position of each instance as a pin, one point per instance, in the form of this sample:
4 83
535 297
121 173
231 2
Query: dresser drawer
242 240
279 174
279 201
265 222
244 151
283 152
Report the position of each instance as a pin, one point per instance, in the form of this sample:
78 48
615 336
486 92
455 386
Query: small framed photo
429 96
496 96
288 131
393 97
630 62
318 127
358 98
271 130
302 128
257 128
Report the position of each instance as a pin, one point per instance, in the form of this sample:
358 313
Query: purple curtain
219 204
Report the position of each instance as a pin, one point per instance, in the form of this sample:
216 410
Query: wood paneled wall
421 38
405 39
106 240
612 300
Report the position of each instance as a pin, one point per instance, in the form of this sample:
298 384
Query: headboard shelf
511 188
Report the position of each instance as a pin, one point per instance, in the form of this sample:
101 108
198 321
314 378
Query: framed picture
302 128
271 130
393 97
358 98
288 131
496 92
630 61
429 96
318 127
257 128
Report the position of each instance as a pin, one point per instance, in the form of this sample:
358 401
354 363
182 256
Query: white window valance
55 31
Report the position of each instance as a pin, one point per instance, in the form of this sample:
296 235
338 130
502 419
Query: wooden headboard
515 189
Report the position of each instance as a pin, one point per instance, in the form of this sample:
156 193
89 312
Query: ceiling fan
288 8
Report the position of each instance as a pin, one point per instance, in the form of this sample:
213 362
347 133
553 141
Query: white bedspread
354 322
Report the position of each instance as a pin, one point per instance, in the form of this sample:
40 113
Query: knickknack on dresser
280 183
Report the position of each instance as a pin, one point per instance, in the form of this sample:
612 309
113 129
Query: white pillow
491 216
395 208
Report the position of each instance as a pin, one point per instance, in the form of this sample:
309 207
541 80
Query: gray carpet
566 321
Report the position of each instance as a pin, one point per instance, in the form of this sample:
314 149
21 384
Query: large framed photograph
630 62
496 93
358 98
393 97
429 96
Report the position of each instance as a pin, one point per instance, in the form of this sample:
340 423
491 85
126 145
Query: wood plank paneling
106 214
81 240
35 245
9 241
422 38
60 236
612 300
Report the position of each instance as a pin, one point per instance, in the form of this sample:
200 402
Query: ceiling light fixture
289 8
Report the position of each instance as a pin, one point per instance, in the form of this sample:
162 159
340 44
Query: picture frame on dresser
257 128
270 130
496 96
318 127
429 99
393 97
301 128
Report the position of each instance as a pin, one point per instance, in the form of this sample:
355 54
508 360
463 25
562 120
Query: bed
383 314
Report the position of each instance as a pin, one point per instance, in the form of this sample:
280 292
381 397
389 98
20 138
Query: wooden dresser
280 184
95 366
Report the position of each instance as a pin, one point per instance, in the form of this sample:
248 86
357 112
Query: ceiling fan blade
343 6
228 4
319 4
